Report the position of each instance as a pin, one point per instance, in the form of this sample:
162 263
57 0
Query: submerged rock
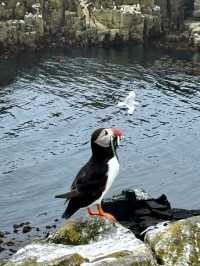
26 229
177 244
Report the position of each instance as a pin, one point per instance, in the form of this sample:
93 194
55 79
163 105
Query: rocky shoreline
35 24
141 218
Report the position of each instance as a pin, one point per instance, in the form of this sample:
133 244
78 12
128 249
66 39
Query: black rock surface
138 214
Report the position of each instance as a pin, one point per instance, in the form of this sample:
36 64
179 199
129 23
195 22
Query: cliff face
30 23
197 9
33 23
21 23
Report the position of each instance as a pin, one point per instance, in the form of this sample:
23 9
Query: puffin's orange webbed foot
106 214
92 213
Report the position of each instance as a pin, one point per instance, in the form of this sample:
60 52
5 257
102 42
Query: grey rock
93 242
177 244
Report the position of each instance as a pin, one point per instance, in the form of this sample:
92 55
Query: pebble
9 243
47 234
1 249
21 225
26 229
12 250
48 226
15 226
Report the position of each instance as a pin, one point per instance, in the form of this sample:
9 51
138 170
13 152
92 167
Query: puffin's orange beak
117 132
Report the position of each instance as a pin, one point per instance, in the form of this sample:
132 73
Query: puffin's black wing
74 191
89 183
68 195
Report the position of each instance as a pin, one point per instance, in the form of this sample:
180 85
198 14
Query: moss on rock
79 23
80 232
178 244
19 11
68 260
142 257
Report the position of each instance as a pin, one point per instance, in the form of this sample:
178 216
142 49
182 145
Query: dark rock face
36 23
39 23
188 8
172 14
139 214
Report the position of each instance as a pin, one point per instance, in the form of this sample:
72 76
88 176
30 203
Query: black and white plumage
96 177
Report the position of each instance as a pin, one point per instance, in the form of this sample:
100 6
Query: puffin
96 177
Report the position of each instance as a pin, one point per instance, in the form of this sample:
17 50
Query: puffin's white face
108 136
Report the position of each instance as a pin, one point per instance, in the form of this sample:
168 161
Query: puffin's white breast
113 170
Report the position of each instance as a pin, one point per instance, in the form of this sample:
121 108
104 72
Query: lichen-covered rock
197 9
178 244
140 257
54 14
152 26
21 25
125 22
81 231
5 13
97 242
88 22
19 10
172 14
74 22
65 260
193 29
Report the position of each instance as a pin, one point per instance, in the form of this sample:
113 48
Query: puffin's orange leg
90 212
105 214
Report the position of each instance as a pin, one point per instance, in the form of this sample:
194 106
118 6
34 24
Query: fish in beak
117 136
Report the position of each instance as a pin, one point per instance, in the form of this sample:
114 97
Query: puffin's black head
106 139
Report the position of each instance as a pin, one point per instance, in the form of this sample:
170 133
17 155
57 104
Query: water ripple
49 107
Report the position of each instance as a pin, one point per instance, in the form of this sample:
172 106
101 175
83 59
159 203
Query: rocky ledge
98 242
37 23
34 23
149 233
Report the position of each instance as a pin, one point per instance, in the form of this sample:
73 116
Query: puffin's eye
106 133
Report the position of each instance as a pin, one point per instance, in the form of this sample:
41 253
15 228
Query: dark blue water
51 102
